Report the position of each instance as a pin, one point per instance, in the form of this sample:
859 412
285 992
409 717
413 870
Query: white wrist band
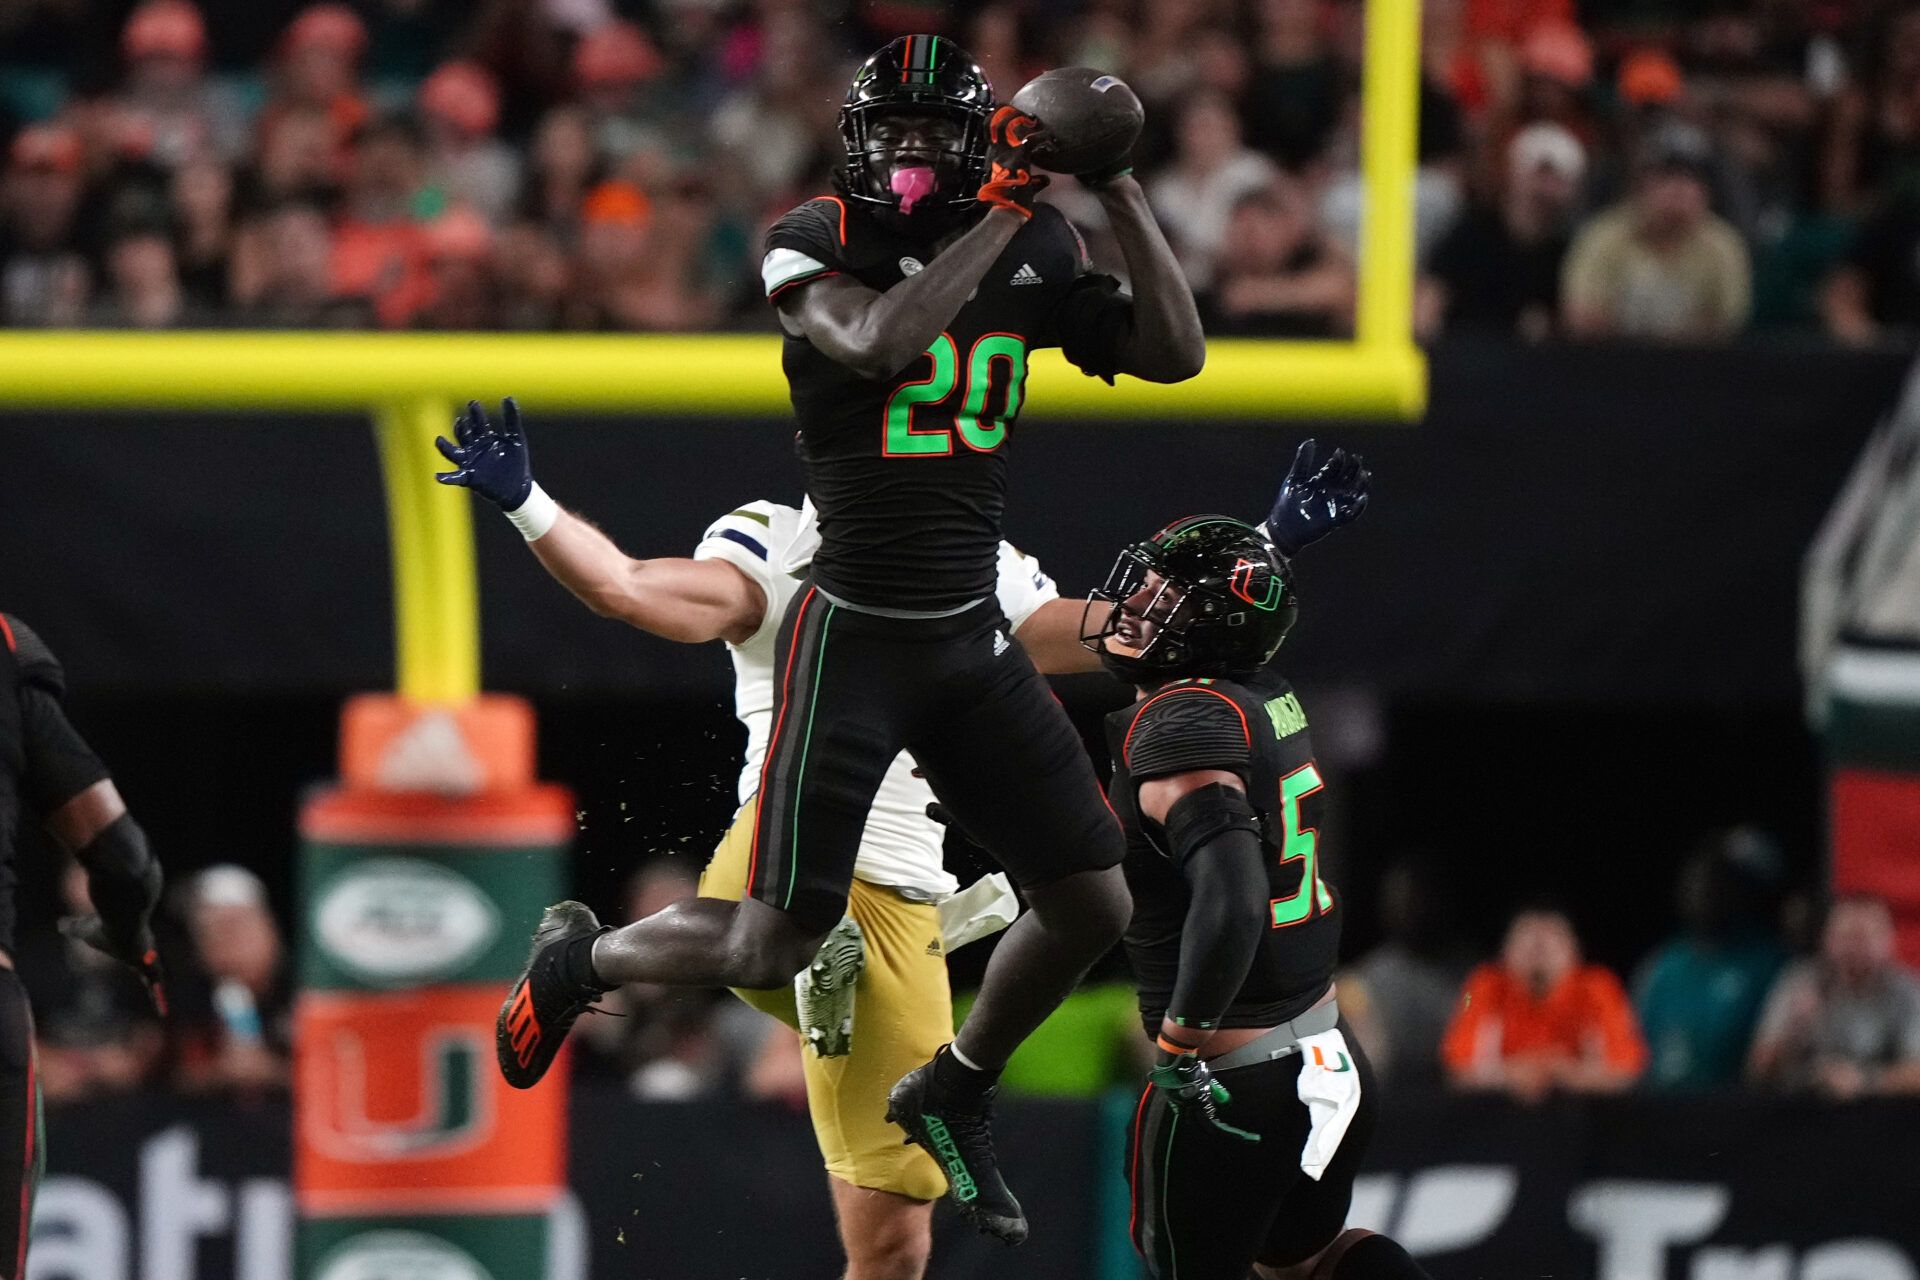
536 515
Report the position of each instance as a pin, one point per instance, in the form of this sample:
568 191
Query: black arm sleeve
123 878
60 764
1186 728
1215 836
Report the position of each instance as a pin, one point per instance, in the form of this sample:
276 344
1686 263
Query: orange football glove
1011 182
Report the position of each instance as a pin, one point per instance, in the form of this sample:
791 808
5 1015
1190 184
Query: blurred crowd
229 1025
1758 989
1652 169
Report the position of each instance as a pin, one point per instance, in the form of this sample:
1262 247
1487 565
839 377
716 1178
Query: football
1092 118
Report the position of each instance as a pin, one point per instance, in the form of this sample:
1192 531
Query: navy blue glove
1312 502
492 460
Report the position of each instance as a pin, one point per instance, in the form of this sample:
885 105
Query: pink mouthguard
912 185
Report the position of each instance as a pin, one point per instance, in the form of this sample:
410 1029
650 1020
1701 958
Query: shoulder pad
760 527
1187 726
38 666
818 226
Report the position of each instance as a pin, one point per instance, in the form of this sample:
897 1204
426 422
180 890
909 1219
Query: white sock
963 1059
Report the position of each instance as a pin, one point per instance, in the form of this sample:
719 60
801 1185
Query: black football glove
1190 1089
132 947
1011 182
1315 500
492 461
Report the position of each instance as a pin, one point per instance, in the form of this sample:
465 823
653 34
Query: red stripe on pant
773 742
1133 1178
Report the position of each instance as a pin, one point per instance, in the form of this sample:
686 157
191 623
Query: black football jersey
43 762
1256 729
909 473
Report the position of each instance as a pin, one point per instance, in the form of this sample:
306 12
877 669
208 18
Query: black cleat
957 1132
543 1004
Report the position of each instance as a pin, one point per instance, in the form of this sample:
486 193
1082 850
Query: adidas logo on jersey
1000 644
1026 275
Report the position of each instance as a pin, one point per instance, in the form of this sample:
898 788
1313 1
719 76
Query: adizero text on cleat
957 1132
543 1004
823 991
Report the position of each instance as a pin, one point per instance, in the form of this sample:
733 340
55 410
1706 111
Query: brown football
1092 118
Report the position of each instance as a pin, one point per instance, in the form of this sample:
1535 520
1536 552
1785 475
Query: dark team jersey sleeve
805 244
1187 728
59 763
38 666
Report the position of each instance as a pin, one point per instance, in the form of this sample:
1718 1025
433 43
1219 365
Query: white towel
1329 1085
980 910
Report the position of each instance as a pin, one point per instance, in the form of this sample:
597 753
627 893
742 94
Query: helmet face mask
897 138
921 100
1205 596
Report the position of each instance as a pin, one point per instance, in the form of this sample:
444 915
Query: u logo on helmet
1241 584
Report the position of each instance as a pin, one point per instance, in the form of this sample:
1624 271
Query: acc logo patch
385 1255
399 921
910 266
1104 83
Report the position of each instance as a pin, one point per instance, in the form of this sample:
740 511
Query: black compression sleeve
60 764
123 877
1187 728
1215 837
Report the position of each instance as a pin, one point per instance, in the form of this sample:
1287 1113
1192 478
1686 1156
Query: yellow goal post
411 382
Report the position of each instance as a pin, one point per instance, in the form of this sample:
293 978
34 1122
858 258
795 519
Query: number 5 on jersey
1300 845
982 432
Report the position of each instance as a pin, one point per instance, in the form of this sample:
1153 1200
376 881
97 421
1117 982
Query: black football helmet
918 75
1224 604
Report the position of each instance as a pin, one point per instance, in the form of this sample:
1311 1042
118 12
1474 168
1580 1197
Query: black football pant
1208 1205
853 689
22 1149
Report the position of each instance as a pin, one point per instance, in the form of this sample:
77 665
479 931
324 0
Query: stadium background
1559 651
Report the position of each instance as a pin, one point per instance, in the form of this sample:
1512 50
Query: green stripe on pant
800 780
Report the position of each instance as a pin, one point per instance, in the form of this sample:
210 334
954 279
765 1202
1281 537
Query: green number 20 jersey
909 472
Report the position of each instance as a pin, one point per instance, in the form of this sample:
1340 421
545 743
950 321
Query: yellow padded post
435 597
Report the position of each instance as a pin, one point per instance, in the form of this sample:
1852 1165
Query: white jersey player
904 914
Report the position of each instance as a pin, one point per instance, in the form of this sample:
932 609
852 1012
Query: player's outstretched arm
878 334
1165 343
689 601
1051 637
